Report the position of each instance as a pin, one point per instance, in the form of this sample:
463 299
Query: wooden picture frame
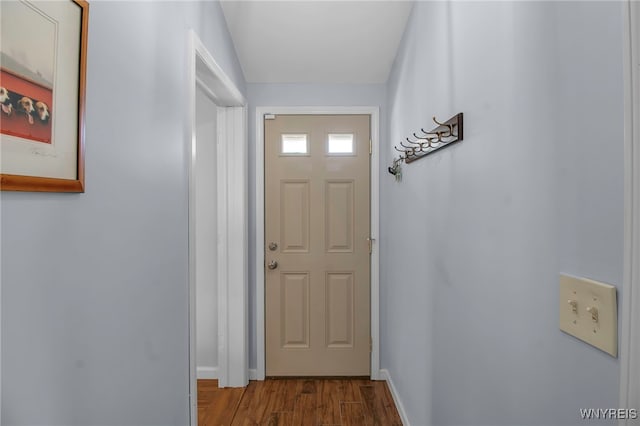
42 95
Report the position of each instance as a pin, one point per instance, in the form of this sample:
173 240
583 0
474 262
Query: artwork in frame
43 48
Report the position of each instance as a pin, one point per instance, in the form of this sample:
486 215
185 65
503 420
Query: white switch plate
581 300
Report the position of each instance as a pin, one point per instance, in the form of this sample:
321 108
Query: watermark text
608 413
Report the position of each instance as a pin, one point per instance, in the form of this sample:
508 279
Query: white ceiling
316 41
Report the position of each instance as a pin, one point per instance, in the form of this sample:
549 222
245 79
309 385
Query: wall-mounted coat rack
428 142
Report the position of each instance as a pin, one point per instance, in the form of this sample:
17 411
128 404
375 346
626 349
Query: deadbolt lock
273 246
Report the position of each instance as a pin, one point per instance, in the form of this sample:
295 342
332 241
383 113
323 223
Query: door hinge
370 241
269 116
370 147
370 344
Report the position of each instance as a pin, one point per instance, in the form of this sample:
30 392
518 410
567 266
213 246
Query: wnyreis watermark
609 413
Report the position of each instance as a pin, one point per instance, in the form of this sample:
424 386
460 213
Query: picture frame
43 56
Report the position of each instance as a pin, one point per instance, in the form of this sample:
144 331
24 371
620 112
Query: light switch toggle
574 305
594 313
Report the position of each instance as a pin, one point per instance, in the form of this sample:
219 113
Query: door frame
205 74
374 113
630 339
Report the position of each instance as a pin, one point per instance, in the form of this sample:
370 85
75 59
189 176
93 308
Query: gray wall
296 95
476 235
94 285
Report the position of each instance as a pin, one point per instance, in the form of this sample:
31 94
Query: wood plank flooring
216 406
297 402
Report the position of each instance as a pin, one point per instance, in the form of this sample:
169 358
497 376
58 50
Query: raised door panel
340 310
294 309
339 210
294 215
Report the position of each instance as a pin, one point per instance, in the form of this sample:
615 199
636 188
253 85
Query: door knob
272 265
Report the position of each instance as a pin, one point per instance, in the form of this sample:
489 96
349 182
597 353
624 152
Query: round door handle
272 265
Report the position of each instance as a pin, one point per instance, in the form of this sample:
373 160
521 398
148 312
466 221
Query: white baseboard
376 375
253 374
207 372
384 375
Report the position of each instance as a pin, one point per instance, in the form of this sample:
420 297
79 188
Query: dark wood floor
297 402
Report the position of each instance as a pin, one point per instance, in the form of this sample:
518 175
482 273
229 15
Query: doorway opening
216 155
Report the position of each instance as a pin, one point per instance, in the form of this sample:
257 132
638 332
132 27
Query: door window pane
295 144
341 143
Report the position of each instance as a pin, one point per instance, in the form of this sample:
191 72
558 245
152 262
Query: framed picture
43 47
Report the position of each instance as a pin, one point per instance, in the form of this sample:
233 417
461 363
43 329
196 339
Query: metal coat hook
447 124
409 150
428 133
416 143
427 139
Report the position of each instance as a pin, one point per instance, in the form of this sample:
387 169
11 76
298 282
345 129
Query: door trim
374 113
204 73
630 317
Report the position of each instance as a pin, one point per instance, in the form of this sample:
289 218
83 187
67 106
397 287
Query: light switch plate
588 311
